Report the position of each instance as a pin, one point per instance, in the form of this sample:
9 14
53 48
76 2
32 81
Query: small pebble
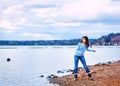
8 59
41 76
59 71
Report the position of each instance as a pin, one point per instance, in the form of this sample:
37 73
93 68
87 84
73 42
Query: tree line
110 39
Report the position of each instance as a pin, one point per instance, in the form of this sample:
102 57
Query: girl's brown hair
87 41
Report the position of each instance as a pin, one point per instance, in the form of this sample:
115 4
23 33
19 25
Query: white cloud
15 9
66 24
19 21
98 29
44 13
9 31
58 2
7 25
36 16
88 9
26 34
77 10
10 19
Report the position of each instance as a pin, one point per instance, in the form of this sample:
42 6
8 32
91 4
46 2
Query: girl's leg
76 58
82 59
86 67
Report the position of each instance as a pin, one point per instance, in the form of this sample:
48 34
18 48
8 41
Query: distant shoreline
112 39
57 45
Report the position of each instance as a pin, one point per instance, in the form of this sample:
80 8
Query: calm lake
29 62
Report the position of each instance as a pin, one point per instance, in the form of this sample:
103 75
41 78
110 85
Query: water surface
29 62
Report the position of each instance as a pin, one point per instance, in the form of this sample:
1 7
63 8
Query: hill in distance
112 39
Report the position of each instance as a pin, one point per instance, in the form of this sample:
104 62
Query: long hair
87 41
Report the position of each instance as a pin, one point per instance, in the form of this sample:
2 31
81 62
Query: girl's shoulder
79 43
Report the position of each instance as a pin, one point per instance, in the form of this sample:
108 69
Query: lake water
29 62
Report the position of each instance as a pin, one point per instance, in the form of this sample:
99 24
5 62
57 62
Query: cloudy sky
58 19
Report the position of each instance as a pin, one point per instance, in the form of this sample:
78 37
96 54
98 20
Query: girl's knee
86 67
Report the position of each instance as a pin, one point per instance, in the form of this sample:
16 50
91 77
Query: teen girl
79 55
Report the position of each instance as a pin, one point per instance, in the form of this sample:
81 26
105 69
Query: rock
68 71
71 70
109 62
8 59
118 61
49 76
103 64
52 76
59 71
55 76
41 76
98 64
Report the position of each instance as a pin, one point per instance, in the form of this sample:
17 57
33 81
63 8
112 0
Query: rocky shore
105 74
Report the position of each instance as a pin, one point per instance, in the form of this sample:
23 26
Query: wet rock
41 76
72 72
109 62
52 76
103 64
55 76
69 70
59 71
118 61
8 59
49 76
98 64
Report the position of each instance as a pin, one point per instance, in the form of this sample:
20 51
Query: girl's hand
81 53
94 51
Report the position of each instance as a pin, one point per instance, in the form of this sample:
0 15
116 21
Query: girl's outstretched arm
90 50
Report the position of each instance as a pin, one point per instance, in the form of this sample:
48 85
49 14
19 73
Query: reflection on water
29 62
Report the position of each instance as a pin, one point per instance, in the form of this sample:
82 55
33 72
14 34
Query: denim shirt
81 49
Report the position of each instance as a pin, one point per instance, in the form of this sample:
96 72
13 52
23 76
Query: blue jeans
82 59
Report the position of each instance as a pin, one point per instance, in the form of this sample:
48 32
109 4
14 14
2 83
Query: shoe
90 77
75 77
